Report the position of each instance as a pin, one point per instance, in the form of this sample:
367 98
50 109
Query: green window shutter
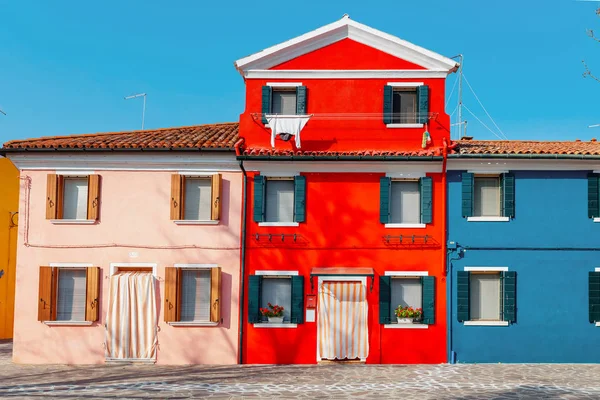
428 295
266 102
509 279
388 92
299 198
297 311
423 98
385 190
462 295
385 299
254 294
467 194
594 292
301 100
593 195
259 198
426 187
508 195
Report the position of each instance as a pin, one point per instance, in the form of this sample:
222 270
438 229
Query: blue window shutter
259 198
301 100
428 296
299 198
266 102
297 310
254 294
423 96
388 92
385 184
508 195
462 295
594 296
593 196
385 299
426 186
509 308
467 194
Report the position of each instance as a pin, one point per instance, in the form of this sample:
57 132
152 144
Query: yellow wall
9 205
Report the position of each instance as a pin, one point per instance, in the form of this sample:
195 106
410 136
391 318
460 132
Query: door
342 321
131 320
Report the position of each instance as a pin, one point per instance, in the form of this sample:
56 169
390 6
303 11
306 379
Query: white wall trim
406 175
68 323
196 222
487 172
75 173
499 165
406 326
405 84
280 273
413 226
488 219
115 266
291 168
199 174
280 224
272 325
597 269
71 265
284 84
406 273
484 269
196 266
344 74
485 323
395 126
73 221
193 323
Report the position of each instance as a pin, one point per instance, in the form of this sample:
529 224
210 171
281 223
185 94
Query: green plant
272 311
409 312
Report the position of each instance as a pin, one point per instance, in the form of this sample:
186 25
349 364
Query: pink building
129 247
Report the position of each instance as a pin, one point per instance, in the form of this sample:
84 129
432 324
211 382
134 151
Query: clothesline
348 116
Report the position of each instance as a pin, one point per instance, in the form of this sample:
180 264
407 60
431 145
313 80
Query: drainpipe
242 252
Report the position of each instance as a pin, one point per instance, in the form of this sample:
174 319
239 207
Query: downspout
242 252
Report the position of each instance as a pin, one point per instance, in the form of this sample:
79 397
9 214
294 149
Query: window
406 289
486 196
485 302
277 291
68 294
405 202
404 106
192 295
195 198
405 207
73 198
406 292
283 101
282 288
280 200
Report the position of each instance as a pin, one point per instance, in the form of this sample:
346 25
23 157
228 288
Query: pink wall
134 211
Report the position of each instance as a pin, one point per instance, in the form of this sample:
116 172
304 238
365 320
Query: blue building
524 252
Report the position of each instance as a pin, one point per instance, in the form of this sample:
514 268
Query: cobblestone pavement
490 381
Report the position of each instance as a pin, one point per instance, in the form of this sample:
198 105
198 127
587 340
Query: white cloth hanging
286 124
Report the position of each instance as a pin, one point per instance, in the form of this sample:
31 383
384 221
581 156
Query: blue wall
552 322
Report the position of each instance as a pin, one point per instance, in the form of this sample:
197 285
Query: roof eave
529 156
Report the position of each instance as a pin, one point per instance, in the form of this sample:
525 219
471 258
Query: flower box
275 320
406 320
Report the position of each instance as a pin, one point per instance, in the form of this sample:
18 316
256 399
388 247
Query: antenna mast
143 109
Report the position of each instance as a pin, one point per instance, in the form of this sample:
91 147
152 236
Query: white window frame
485 174
204 267
279 175
406 274
406 85
273 274
485 323
114 267
405 176
62 265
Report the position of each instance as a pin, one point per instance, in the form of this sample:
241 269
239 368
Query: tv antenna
2 112
133 96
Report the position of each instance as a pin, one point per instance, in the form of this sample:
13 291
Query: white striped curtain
342 323
131 320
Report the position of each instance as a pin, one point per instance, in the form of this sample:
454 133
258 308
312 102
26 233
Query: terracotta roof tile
490 147
215 136
349 153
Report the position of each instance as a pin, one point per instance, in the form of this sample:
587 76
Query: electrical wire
486 112
481 122
451 91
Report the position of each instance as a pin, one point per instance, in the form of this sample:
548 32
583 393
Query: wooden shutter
426 187
388 92
509 308
171 310
215 294
93 211
92 295
508 195
177 185
259 198
52 197
467 194
266 102
423 98
254 294
385 190
47 294
462 295
301 100
593 195
385 299
215 213
594 296
428 295
299 198
297 310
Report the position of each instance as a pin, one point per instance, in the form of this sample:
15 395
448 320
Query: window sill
596 219
73 221
193 323
195 222
68 323
486 323
406 326
404 125
270 325
488 219
278 224
418 226
597 323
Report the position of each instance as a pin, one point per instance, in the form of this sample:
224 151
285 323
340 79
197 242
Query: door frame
114 267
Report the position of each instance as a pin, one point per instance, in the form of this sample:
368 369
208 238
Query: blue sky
66 65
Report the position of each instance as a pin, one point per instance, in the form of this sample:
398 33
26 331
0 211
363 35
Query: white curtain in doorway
131 321
343 329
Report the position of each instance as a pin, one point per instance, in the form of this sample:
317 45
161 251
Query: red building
345 216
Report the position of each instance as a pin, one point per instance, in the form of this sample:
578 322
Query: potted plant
408 315
274 313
